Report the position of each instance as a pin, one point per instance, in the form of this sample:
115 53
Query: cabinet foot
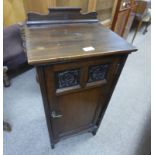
94 133
52 146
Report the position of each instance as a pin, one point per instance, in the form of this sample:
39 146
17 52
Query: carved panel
68 78
97 72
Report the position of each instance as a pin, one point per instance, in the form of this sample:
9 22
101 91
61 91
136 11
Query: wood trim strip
115 11
30 23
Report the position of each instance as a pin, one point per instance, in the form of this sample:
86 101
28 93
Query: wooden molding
92 5
115 11
61 16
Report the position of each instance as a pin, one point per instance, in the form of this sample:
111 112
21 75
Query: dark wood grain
66 42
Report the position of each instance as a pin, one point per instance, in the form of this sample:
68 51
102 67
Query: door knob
56 115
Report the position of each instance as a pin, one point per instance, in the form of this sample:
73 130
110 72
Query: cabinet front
77 92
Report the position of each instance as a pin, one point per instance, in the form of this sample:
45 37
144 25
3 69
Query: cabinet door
77 92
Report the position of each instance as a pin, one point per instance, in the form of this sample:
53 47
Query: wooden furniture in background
104 11
142 14
92 5
14 56
123 17
74 3
40 6
78 63
15 10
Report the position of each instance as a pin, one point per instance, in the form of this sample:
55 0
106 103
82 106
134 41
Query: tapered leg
137 29
94 132
146 26
52 146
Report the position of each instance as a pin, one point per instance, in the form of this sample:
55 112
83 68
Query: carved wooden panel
97 72
68 78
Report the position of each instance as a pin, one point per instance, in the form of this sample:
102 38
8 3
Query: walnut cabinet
78 64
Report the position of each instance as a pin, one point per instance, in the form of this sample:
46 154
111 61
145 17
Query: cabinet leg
94 132
146 26
52 146
137 29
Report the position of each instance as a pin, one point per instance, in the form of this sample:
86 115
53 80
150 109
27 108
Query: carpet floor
125 128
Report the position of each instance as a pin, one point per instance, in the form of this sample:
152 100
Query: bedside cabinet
78 64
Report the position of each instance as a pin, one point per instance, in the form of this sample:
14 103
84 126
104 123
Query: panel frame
83 66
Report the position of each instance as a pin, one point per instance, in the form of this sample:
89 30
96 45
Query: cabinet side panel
42 83
118 69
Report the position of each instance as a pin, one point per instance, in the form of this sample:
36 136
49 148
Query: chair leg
137 29
6 79
146 26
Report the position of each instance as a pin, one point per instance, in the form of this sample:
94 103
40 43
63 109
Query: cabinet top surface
59 42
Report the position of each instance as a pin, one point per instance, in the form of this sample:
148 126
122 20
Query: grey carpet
125 129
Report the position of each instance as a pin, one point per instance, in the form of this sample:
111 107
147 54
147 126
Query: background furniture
78 64
15 10
123 17
14 56
142 15
6 80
